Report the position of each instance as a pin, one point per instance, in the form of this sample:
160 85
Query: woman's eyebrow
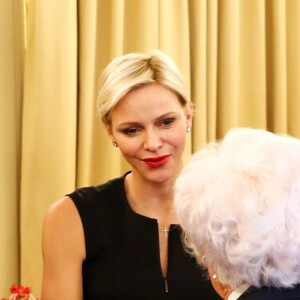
134 123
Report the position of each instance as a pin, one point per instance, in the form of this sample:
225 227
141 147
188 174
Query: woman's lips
156 162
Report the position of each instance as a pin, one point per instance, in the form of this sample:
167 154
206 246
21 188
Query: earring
115 144
188 129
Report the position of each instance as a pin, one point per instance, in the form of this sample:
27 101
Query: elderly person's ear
222 289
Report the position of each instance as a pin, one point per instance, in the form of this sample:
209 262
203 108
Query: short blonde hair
130 71
238 202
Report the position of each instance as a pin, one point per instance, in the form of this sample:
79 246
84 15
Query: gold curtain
240 58
11 81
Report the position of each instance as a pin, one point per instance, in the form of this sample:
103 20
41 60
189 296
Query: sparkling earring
188 129
114 144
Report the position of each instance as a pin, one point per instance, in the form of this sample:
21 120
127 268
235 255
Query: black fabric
122 249
266 293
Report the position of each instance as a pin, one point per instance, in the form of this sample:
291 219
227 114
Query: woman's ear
108 129
189 113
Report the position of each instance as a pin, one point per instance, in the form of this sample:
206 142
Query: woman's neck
154 200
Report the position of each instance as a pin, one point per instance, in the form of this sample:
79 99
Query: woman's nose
152 140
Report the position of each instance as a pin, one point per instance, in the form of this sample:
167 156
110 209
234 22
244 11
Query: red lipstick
156 162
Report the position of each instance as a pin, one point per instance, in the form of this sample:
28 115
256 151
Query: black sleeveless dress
122 252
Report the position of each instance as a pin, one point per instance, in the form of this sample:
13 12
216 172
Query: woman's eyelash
131 130
168 122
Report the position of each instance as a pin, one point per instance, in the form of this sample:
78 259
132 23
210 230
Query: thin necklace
137 208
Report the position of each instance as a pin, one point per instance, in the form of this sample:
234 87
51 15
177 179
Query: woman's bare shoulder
62 224
63 249
62 212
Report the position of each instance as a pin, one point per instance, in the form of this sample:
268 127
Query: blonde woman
121 239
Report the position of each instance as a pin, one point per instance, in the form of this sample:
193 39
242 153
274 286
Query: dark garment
122 249
271 294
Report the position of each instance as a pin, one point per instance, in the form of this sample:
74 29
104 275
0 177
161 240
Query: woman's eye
130 131
168 122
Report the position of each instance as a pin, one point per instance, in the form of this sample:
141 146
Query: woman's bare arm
63 252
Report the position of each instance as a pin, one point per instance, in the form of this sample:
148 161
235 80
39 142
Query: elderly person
238 202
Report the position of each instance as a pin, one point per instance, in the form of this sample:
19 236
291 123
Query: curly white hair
238 202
